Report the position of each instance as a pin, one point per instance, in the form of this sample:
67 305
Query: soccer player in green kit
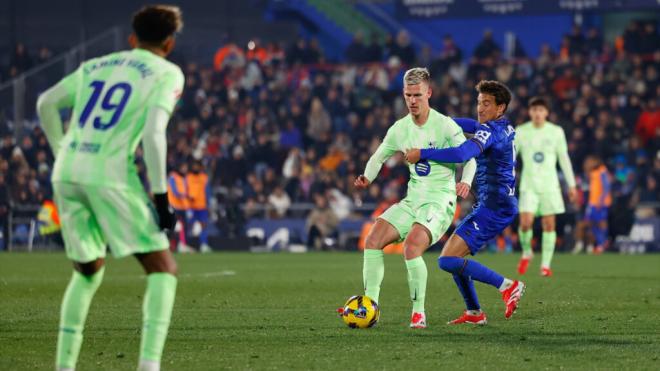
426 212
541 144
117 101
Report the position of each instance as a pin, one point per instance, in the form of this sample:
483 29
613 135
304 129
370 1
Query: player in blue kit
496 207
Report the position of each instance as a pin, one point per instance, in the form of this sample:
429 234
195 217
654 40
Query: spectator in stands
403 49
450 54
20 58
487 47
356 52
648 123
374 51
593 44
318 122
279 201
576 43
322 223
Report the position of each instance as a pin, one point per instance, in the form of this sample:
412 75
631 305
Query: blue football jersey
496 165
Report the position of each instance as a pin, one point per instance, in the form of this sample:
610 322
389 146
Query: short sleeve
483 137
168 90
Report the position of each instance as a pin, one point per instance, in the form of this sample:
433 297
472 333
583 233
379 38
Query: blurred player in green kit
117 101
541 144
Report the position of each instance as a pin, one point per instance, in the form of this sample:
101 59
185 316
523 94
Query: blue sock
466 287
204 236
599 234
470 268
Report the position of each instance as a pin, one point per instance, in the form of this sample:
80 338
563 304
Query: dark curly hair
498 90
153 24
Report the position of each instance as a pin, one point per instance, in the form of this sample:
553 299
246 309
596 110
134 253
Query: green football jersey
540 149
428 179
112 95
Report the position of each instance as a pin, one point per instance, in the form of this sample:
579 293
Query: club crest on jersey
539 157
482 136
423 168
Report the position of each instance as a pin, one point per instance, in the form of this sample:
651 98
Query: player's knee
411 251
525 226
373 242
451 264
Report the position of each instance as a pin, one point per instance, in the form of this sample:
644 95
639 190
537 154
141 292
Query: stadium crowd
279 126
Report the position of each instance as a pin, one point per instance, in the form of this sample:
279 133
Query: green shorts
435 216
93 217
541 204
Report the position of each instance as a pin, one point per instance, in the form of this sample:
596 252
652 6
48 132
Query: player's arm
467 125
385 150
566 167
462 153
61 95
154 142
607 188
174 188
469 168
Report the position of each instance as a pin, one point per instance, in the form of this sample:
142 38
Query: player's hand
166 218
572 194
413 155
462 189
361 182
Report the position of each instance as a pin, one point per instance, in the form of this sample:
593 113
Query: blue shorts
482 225
201 216
595 213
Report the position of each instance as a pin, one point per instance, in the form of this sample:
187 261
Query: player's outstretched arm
48 108
467 125
462 153
154 144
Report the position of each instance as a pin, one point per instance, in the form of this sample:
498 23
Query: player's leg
131 228
373 269
202 217
431 222
548 243
456 247
599 229
417 241
525 234
552 203
478 228
86 247
529 203
161 270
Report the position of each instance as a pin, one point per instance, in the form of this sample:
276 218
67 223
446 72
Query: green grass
277 311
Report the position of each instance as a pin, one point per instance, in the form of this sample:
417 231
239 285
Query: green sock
373 270
75 305
526 242
548 246
156 312
417 275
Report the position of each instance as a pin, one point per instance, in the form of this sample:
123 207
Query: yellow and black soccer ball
360 312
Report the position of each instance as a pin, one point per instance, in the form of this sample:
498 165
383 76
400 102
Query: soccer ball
360 312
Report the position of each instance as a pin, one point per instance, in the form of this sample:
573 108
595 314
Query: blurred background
286 100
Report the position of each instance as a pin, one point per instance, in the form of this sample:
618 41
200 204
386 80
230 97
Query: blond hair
416 76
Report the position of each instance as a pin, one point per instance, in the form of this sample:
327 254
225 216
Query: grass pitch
277 311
